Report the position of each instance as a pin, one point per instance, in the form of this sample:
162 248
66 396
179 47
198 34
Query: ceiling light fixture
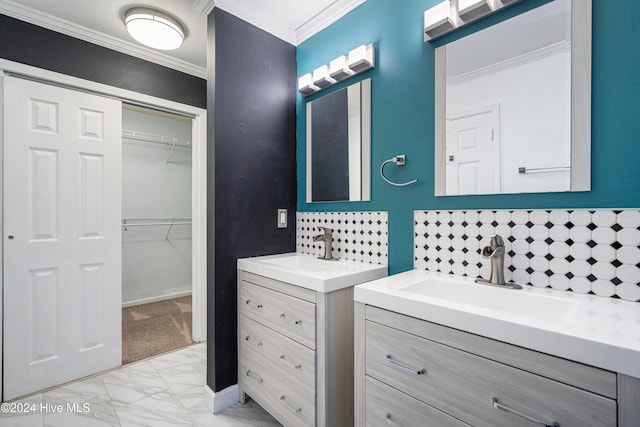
154 28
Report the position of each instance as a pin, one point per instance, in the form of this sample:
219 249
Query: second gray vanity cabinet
438 367
295 351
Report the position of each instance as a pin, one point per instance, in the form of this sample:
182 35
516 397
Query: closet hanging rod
157 219
153 222
158 139
146 224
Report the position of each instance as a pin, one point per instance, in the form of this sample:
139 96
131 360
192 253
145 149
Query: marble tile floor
166 390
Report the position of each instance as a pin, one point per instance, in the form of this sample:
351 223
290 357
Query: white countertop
597 331
312 273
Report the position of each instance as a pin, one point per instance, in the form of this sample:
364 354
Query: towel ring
399 160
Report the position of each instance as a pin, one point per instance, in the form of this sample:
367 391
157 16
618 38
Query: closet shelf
158 139
154 222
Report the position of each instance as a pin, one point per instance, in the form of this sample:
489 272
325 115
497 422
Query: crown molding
532 56
244 11
204 6
322 20
83 33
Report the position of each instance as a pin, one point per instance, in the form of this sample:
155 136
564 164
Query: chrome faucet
327 238
495 252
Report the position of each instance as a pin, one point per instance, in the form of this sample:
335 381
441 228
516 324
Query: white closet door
62 237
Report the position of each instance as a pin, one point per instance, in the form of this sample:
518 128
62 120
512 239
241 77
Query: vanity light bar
321 77
470 10
451 14
306 86
439 20
339 69
360 59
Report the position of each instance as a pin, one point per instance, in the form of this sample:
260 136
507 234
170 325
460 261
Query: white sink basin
592 330
516 302
308 264
312 273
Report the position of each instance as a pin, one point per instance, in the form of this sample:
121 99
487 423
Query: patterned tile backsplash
585 251
359 236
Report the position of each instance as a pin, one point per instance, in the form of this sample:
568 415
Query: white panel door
471 166
62 238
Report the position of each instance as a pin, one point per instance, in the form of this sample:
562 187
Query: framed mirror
513 105
339 145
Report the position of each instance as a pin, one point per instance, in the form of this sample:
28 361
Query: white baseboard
156 299
218 402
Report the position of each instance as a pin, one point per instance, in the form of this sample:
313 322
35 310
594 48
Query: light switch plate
282 218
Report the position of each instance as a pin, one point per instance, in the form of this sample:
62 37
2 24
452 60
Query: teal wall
402 113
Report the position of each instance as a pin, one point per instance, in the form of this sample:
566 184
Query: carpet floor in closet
155 328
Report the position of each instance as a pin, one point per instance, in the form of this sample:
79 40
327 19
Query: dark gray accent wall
252 97
33 45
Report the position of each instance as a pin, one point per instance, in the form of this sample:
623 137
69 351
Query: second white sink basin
516 302
593 330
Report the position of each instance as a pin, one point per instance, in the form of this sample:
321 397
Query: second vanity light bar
356 61
450 14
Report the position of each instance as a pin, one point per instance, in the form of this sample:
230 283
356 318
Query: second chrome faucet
495 252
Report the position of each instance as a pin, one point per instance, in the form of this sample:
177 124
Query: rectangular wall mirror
513 105
339 145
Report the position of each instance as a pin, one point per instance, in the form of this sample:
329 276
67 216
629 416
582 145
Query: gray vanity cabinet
410 372
295 351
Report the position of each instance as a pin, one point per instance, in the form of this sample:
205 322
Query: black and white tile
358 236
585 251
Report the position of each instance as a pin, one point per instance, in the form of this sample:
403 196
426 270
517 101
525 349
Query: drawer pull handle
253 376
390 421
256 343
501 407
248 302
294 322
293 409
405 367
291 365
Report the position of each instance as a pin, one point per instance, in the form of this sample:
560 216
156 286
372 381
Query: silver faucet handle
325 230
496 241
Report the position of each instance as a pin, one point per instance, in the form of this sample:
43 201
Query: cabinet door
464 385
286 401
296 362
387 406
290 316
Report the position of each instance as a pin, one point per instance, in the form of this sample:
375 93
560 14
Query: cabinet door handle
501 407
256 343
405 367
283 359
248 302
293 409
253 376
390 421
294 322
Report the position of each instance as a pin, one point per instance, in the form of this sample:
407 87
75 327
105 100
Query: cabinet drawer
292 359
463 385
387 406
286 402
288 315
